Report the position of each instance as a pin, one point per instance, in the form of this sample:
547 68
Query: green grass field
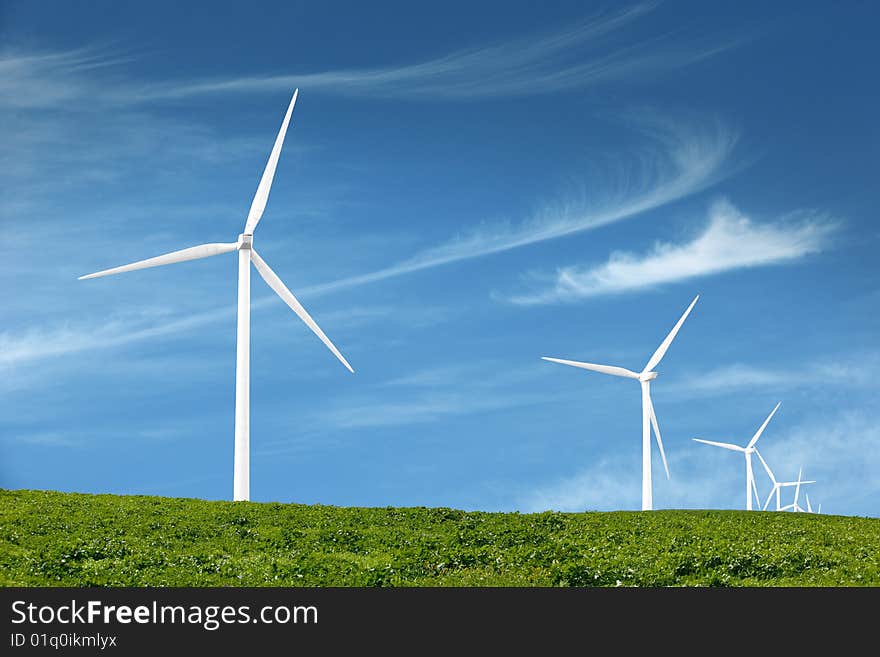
64 539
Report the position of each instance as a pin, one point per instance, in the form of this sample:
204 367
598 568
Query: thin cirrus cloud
590 51
678 160
841 372
576 56
739 376
730 241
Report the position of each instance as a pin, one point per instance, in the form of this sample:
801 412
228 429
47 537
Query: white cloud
730 241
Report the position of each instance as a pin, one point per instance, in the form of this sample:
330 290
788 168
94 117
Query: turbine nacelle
648 376
245 242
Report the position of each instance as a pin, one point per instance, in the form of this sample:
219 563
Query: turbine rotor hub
648 376
245 242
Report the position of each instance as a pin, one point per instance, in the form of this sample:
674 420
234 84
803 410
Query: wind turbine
246 256
777 485
747 451
794 506
649 418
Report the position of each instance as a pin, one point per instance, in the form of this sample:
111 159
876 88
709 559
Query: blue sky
462 191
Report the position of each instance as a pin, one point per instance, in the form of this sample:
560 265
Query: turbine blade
287 296
809 507
192 253
764 426
657 432
259 203
605 369
735 448
661 350
766 467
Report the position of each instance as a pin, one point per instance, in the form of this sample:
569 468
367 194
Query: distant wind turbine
748 450
246 256
649 417
777 485
794 506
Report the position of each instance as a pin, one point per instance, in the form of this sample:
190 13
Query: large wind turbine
748 450
649 418
246 256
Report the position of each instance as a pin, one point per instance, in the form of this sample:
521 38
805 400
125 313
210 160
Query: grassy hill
63 539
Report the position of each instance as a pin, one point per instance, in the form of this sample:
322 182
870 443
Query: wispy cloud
424 396
70 338
589 51
578 55
679 160
730 241
24 77
839 452
45 439
595 488
18 348
423 408
739 376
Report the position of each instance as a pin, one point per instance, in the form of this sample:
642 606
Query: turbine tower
649 417
246 256
748 450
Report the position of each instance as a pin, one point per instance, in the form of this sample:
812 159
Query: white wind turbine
649 418
748 450
794 506
246 256
777 485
